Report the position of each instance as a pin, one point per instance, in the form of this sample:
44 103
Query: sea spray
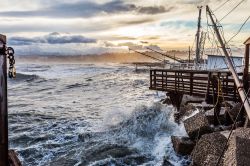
145 134
112 120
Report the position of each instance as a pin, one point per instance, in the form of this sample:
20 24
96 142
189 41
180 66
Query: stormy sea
89 114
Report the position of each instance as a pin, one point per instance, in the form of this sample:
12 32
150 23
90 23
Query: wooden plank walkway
195 83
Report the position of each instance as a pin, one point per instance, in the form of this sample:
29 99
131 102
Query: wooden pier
205 84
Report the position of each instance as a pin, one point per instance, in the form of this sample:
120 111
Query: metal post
239 85
3 104
198 37
246 68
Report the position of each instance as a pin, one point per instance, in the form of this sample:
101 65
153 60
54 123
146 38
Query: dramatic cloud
110 25
109 44
52 38
86 9
154 10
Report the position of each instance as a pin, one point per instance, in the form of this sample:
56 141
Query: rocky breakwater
208 143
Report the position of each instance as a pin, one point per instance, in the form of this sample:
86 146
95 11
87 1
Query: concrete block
238 151
182 145
197 125
209 144
211 160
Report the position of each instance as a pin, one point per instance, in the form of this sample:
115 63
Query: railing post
155 78
162 79
151 78
191 83
3 104
175 80
166 80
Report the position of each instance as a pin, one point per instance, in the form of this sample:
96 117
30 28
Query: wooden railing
195 83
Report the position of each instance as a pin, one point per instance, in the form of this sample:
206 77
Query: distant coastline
128 57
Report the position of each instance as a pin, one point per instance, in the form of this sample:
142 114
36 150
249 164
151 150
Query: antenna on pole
237 81
197 59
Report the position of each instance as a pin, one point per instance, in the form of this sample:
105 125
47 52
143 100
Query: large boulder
182 145
211 118
197 125
210 146
238 151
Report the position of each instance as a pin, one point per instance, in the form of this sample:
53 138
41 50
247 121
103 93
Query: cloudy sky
63 27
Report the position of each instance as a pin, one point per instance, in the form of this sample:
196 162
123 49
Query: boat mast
237 81
197 60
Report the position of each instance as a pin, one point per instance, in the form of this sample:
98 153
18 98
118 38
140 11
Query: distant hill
107 57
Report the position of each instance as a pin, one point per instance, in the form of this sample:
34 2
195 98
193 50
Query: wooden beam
3 104
13 159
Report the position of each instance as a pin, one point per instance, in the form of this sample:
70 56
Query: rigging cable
223 37
232 10
239 30
221 5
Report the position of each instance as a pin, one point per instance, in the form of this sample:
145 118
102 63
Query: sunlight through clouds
168 24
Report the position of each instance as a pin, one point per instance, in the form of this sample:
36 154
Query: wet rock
182 145
166 101
166 162
238 151
209 144
221 117
186 110
197 125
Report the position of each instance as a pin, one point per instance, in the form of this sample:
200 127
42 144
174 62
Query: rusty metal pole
246 66
237 81
3 104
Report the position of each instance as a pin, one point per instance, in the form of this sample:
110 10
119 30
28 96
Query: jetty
218 134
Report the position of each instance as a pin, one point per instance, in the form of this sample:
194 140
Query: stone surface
182 145
210 116
211 160
238 151
197 125
234 111
209 144
186 110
